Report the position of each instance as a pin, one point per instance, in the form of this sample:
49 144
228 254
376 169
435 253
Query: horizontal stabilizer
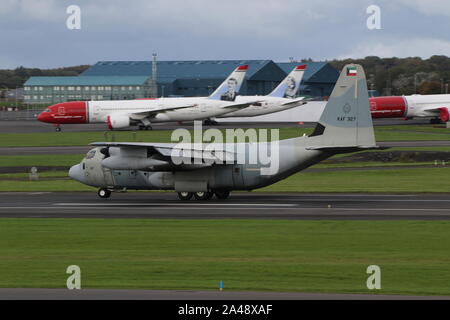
348 149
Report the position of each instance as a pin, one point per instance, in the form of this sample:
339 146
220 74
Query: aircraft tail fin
229 89
346 120
288 88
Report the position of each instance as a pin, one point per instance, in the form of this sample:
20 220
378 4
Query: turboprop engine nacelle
118 121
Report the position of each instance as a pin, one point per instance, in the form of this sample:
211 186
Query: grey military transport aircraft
344 126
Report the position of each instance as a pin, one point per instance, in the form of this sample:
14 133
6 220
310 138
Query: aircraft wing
296 102
345 149
172 153
159 110
241 105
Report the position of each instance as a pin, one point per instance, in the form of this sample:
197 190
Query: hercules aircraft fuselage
218 168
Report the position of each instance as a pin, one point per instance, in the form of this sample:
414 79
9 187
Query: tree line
404 76
388 76
12 78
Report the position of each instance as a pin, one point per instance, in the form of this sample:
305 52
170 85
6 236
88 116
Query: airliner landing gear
145 124
141 127
103 193
185 196
435 121
57 128
209 122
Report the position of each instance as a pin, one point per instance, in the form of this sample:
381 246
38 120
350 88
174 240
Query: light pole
16 99
415 82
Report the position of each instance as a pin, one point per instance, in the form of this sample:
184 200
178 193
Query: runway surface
93 294
165 205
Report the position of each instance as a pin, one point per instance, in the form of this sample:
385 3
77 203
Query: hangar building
112 80
318 80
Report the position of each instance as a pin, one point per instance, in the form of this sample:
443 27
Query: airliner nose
76 173
44 117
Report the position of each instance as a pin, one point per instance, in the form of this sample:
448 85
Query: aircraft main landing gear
104 193
185 196
203 195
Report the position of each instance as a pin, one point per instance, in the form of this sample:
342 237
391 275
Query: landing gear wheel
222 194
103 193
435 121
185 196
201 195
57 129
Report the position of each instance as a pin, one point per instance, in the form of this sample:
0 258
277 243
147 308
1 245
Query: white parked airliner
124 113
283 97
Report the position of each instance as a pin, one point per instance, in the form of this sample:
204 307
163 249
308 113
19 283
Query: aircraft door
94 114
109 179
238 179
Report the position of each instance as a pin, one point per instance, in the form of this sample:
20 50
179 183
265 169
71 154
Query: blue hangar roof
169 71
87 81
327 74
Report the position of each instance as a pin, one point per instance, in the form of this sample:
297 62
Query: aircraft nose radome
76 173
43 117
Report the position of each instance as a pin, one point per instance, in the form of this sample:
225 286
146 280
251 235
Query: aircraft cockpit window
47 110
90 154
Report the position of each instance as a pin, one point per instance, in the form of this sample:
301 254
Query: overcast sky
34 33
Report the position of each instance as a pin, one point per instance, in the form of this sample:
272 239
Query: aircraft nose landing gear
104 193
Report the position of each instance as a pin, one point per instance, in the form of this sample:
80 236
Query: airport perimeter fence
20 115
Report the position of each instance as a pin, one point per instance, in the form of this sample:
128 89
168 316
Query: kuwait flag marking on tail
351 71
